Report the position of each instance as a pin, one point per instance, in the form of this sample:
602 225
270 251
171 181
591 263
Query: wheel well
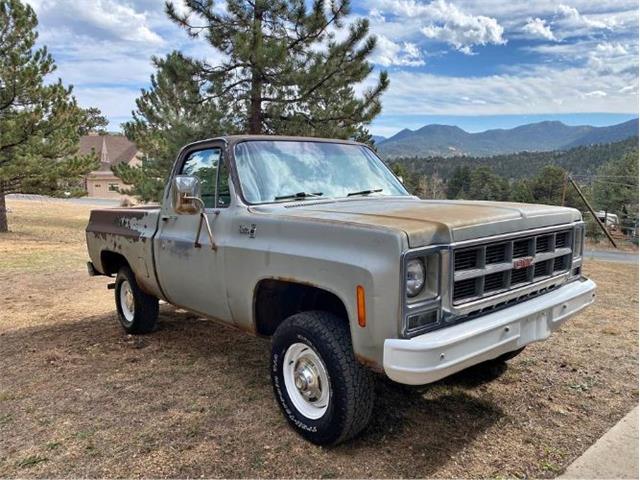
112 262
276 300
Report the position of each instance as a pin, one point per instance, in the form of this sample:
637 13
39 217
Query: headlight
415 277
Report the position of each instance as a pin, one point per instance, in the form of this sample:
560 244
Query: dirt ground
79 398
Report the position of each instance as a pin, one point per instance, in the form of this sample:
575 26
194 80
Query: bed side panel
128 232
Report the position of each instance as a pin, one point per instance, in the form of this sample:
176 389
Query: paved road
611 256
107 202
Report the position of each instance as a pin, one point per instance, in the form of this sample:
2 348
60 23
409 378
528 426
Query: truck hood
428 222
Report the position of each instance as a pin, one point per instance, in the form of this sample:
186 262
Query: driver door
191 276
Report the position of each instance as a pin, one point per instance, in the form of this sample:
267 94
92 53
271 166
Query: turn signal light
362 313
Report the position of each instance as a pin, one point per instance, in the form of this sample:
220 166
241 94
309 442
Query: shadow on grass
416 429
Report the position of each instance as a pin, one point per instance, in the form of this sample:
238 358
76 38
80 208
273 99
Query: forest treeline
606 174
579 161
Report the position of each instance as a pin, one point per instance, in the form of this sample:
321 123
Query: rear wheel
137 311
324 393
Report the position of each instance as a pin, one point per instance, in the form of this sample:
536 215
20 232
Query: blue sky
477 64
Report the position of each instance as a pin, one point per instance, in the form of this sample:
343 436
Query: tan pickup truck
316 244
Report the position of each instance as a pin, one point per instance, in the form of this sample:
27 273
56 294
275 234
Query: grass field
79 398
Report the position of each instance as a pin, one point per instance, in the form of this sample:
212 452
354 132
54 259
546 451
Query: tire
505 357
137 311
307 348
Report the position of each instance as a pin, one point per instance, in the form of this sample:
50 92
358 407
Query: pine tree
547 187
172 112
615 188
40 123
285 69
521 192
486 185
459 183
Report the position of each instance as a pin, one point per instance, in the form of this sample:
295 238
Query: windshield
285 170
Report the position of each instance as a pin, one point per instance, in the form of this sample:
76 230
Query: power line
605 176
616 183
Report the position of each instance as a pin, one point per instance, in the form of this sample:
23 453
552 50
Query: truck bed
127 234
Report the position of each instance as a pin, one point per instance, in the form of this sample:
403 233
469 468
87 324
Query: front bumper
435 355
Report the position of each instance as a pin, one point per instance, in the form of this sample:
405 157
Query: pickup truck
316 244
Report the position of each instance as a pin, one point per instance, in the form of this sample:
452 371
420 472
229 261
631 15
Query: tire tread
358 380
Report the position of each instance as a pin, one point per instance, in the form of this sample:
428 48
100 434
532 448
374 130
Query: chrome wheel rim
127 302
306 380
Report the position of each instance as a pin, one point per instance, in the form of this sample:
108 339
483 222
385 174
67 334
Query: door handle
165 218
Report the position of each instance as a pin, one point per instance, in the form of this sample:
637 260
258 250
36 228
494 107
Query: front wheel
137 311
324 393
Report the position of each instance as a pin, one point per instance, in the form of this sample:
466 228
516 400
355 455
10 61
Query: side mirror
185 193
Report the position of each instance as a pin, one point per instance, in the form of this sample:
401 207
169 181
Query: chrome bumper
435 355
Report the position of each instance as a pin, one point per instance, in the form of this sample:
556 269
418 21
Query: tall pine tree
172 112
40 124
287 68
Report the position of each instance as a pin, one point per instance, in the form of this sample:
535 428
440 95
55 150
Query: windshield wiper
364 192
298 196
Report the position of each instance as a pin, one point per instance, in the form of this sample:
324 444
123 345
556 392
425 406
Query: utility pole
595 217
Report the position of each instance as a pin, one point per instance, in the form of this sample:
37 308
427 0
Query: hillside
583 160
450 141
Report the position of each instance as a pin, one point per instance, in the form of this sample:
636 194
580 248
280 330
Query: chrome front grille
491 268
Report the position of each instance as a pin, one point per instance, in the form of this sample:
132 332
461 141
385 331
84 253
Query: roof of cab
234 139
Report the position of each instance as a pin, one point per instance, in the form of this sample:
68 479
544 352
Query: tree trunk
255 107
4 226
255 102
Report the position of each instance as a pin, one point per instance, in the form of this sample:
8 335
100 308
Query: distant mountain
378 139
614 133
445 140
583 161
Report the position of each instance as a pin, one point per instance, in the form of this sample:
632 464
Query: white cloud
445 22
104 19
460 29
544 89
574 18
376 16
611 48
389 53
538 28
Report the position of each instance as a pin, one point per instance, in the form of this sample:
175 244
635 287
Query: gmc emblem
523 262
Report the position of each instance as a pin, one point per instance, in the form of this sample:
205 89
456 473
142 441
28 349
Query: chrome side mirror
185 194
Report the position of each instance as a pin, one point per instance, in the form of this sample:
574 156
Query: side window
203 164
224 195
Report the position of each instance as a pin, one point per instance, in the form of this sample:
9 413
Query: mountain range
448 141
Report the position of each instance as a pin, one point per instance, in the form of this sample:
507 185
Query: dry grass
78 397
44 235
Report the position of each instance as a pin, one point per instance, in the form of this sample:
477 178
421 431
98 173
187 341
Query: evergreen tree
285 69
548 185
486 185
521 192
407 178
40 123
615 189
170 114
459 183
